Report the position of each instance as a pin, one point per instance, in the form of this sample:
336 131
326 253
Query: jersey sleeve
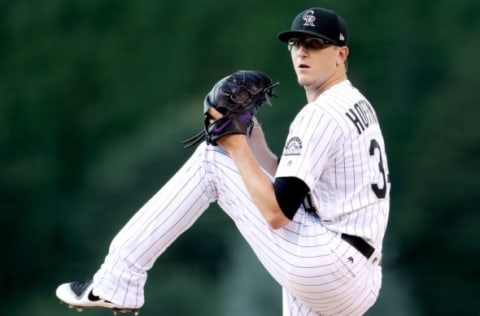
309 145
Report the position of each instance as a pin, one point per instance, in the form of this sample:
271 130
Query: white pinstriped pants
320 274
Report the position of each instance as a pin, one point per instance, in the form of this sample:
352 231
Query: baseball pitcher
315 218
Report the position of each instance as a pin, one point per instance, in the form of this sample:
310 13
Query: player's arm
258 184
279 201
258 144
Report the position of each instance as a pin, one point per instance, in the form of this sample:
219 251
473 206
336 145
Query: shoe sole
115 311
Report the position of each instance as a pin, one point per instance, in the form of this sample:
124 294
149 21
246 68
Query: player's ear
342 55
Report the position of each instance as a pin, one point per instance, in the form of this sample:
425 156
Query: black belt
360 244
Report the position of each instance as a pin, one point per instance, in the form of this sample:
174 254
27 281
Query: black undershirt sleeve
290 193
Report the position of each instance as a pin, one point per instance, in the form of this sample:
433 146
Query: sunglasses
308 43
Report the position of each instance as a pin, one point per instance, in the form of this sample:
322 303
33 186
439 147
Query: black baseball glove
237 97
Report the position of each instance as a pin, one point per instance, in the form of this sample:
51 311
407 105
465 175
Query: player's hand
230 141
214 114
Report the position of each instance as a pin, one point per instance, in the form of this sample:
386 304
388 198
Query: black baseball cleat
80 295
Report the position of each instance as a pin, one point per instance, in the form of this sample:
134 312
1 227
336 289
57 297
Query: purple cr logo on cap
309 18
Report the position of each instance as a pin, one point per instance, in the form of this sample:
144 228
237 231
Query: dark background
96 96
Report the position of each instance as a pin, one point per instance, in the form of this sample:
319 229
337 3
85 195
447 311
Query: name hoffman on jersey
362 115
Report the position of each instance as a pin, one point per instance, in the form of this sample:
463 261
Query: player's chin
304 80
303 76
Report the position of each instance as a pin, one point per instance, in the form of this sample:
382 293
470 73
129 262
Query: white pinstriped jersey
336 147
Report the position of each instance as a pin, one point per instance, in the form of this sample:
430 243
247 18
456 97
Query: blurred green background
96 97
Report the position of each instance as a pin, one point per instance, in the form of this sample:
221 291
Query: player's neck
313 92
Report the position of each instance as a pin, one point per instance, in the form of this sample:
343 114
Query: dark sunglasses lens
294 43
314 43
309 43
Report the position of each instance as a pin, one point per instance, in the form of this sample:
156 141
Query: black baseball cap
318 22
